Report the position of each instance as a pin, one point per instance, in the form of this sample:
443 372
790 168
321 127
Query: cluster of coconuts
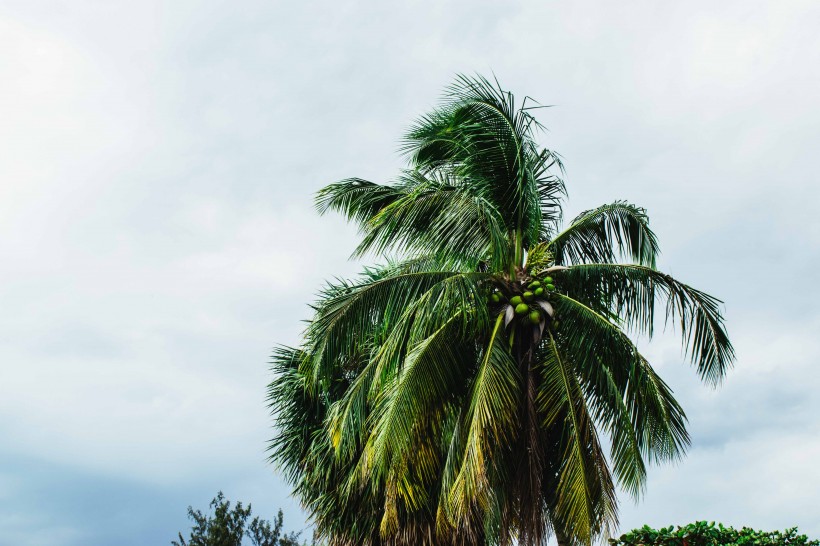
531 302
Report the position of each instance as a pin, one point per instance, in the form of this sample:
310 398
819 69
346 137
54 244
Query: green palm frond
438 217
296 410
353 316
483 137
630 292
629 401
357 199
491 412
302 450
605 234
347 417
585 500
459 298
551 188
429 378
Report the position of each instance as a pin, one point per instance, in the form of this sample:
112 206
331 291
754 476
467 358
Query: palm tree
463 392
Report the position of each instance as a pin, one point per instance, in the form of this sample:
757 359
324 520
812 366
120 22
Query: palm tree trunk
529 473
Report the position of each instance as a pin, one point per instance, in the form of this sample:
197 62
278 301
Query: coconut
534 284
548 280
535 317
538 291
515 300
550 287
522 308
495 298
527 295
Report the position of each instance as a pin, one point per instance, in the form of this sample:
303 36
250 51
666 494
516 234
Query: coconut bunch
527 302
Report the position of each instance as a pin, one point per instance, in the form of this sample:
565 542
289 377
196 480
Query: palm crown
460 393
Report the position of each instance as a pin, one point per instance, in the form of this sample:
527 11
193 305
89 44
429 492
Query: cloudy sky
157 166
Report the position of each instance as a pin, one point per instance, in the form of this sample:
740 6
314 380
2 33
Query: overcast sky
157 165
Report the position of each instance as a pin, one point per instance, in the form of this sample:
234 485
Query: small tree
228 526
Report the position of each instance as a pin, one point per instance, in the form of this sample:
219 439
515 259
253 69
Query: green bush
702 533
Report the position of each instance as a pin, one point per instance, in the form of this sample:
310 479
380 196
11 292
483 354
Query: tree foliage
228 526
702 533
465 391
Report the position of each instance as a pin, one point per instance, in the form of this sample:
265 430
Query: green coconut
548 280
538 291
534 284
522 308
527 295
495 298
515 300
550 287
535 317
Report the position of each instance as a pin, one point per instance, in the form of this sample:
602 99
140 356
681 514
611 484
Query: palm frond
631 291
428 378
438 217
357 199
488 427
605 234
627 398
296 413
346 422
551 188
350 315
481 135
459 298
585 502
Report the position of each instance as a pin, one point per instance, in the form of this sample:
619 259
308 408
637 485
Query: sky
158 162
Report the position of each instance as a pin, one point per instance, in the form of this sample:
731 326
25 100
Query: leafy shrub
702 533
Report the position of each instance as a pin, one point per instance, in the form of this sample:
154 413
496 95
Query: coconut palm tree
464 392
